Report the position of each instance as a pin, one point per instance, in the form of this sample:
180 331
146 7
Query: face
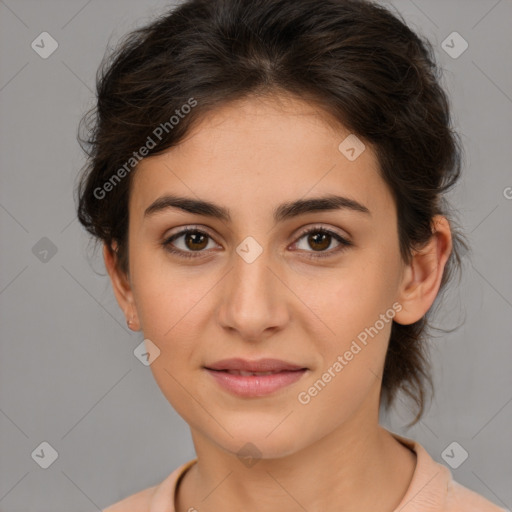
316 289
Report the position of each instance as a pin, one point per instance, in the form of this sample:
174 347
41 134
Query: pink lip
283 374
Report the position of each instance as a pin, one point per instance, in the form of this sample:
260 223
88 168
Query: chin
261 436
256 444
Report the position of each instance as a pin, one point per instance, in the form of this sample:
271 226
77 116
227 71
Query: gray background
68 373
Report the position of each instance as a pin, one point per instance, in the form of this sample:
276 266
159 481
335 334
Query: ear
121 286
422 277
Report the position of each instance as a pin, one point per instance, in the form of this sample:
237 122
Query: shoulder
153 499
462 499
433 488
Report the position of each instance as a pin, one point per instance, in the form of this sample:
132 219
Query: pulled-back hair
355 59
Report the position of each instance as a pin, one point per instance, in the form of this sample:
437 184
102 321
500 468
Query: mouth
254 378
248 374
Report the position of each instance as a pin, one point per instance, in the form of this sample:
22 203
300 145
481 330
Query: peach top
432 489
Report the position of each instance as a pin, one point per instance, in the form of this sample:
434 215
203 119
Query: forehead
258 152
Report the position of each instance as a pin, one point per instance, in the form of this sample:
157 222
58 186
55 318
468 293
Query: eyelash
345 244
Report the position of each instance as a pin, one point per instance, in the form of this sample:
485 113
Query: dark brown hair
355 59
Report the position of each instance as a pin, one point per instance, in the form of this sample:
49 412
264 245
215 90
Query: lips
248 374
254 378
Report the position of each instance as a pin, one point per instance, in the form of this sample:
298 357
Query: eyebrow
281 213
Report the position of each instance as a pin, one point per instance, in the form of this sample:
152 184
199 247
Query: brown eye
319 239
194 241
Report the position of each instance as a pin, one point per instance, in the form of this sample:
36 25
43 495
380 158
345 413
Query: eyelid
322 227
189 227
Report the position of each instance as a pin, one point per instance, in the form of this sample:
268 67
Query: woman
267 179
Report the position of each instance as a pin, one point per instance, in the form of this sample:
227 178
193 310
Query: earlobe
121 286
423 275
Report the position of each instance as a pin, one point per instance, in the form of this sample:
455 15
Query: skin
250 156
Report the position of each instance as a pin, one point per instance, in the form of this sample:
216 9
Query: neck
358 466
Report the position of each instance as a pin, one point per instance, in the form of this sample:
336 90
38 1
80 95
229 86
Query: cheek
356 310
352 358
173 307
351 299
170 311
165 295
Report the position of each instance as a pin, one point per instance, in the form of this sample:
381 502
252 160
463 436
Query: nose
254 298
